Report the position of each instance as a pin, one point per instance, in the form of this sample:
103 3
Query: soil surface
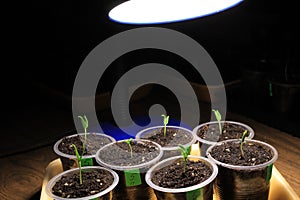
211 132
173 137
93 143
230 153
119 153
173 176
93 181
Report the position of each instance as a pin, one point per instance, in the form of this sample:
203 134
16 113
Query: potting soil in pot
173 176
174 136
250 183
93 143
229 131
131 168
65 149
142 152
93 181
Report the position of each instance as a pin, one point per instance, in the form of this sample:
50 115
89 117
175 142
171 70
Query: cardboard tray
279 188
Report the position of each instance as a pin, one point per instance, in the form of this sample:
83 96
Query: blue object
142 122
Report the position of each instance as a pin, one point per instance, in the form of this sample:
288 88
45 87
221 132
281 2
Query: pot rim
53 180
62 154
129 167
212 177
251 131
238 167
169 148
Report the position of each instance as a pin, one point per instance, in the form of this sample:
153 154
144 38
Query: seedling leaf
218 117
184 152
166 121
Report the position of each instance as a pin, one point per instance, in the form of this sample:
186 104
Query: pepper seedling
85 125
242 142
184 152
128 141
166 121
218 117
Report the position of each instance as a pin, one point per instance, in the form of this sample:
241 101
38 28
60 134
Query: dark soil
119 153
230 153
173 176
173 137
211 132
93 143
93 181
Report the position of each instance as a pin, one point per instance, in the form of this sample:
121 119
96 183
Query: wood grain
22 175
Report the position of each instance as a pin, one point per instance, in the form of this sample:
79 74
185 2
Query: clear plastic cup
171 149
94 142
204 144
132 184
243 182
105 194
202 190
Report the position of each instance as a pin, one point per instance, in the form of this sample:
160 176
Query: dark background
48 40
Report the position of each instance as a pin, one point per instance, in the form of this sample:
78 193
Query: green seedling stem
166 121
218 117
129 144
184 152
85 125
79 157
242 142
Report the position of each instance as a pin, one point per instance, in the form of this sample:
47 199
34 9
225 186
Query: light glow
166 11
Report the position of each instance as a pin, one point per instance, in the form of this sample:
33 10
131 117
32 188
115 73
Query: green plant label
195 194
269 172
86 162
94 199
132 177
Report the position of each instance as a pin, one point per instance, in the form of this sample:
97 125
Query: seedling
85 125
166 121
184 152
242 142
128 141
218 117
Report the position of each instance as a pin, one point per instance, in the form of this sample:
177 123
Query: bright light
166 11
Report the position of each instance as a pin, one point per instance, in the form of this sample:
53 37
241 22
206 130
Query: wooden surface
22 175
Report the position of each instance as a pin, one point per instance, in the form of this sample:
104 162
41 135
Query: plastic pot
203 190
214 135
131 168
185 137
284 96
94 142
235 182
105 194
